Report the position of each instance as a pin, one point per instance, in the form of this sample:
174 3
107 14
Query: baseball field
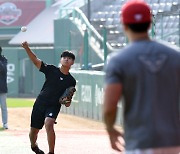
74 135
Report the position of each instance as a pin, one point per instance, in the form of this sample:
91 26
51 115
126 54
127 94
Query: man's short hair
67 53
142 27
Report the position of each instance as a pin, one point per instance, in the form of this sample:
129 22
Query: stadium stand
166 20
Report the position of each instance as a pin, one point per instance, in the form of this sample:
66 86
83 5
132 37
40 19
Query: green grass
19 102
1 129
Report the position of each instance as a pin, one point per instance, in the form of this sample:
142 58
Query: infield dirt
19 118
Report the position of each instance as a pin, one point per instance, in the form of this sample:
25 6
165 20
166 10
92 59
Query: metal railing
76 15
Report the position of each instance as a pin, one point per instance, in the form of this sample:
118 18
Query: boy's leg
49 125
33 136
37 122
51 115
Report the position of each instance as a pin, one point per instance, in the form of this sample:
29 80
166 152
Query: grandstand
99 20
102 14
166 20
105 14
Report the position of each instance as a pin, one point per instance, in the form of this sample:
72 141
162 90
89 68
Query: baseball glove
67 95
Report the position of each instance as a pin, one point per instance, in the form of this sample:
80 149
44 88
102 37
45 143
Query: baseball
23 29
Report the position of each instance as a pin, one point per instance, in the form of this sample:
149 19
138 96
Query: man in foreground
147 74
47 107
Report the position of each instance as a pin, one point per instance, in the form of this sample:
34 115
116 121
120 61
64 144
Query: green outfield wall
23 78
88 99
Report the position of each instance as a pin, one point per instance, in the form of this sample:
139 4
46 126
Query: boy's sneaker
37 150
5 126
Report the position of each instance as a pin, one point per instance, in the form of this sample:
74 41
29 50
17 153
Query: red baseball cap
135 11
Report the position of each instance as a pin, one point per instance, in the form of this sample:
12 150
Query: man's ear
150 26
125 27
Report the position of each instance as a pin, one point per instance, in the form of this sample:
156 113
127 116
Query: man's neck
138 36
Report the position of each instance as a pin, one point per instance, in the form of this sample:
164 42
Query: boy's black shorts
41 111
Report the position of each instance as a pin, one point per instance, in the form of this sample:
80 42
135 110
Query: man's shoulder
72 77
49 65
120 54
45 68
168 46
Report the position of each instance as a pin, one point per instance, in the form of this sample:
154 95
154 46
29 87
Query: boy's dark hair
67 53
141 27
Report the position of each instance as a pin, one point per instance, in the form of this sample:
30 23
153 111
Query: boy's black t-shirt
55 84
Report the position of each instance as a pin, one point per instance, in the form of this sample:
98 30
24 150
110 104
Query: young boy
46 107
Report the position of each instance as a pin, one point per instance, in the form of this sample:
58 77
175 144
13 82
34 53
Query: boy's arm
37 62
